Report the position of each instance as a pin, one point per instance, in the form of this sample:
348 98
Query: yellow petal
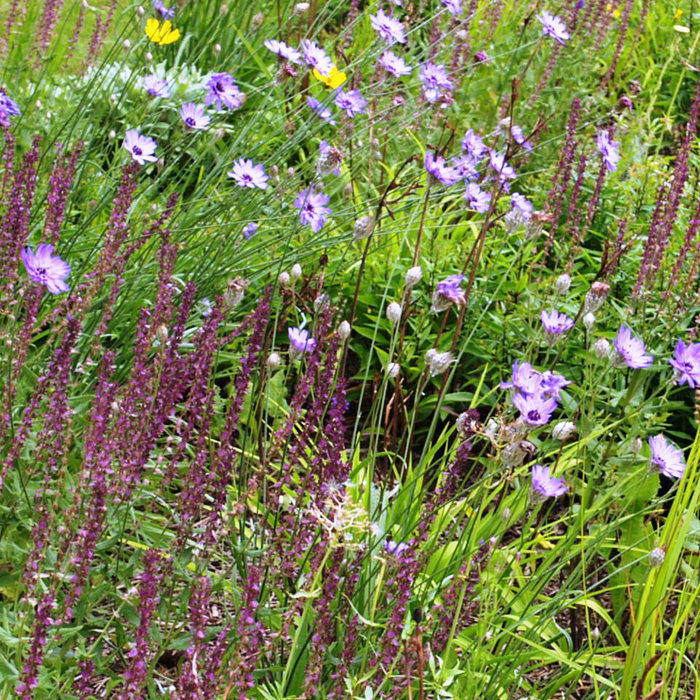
151 28
679 14
337 79
171 37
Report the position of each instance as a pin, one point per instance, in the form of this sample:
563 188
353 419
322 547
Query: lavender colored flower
551 384
554 27
8 108
555 324
474 145
167 13
283 50
141 147
465 165
454 7
449 291
313 209
45 268
251 229
300 340
686 362
534 408
249 174
395 549
388 28
522 204
519 137
438 168
316 57
194 116
544 485
481 57
320 109
524 379
498 163
435 81
352 102
156 86
394 64
223 92
666 457
478 199
630 350
608 151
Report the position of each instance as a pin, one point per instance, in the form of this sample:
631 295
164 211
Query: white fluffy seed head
563 284
393 312
414 276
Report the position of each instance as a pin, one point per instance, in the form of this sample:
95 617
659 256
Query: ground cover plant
349 349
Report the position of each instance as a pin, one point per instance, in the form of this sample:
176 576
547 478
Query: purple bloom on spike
524 379
141 147
394 64
8 108
194 116
388 28
555 324
251 229
499 164
156 86
320 109
535 409
545 485
301 340
474 145
554 27
522 204
465 165
316 57
608 151
478 199
438 168
395 549
167 13
481 57
249 174
435 81
519 137
454 7
686 362
352 102
45 268
551 384
313 209
630 350
283 50
666 457
223 92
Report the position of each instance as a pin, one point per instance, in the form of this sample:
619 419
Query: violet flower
352 102
608 151
686 363
555 324
300 340
45 268
449 291
249 174
141 147
394 64
194 116
8 108
313 209
251 229
535 409
666 457
465 165
388 28
544 485
554 27
454 7
503 170
551 384
630 350
316 57
435 81
155 86
478 199
320 109
283 50
525 379
167 13
522 204
474 145
519 137
438 169
223 92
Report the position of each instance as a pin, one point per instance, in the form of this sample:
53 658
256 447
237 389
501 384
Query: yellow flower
333 80
679 14
617 13
161 34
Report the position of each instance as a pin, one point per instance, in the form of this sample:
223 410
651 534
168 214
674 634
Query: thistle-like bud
284 280
301 8
296 271
602 348
595 297
438 362
563 284
588 321
140 11
563 430
344 330
363 227
393 312
257 20
162 333
414 276
235 290
126 44
636 446
217 49
273 361
393 369
657 556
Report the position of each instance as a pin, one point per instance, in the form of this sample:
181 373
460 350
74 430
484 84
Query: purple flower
454 7
8 108
352 102
474 145
555 324
478 199
524 379
630 350
554 27
666 457
442 172
141 147
435 80
156 86
522 204
465 165
283 50
499 164
535 409
249 174
251 229
389 28
316 57
158 6
551 384
394 64
395 549
481 57
519 137
545 485
320 109
223 91
43 267
449 291
608 151
194 116
686 362
301 340
313 209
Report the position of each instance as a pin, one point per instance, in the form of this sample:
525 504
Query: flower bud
162 333
38 104
563 430
273 361
217 49
414 276
595 297
256 21
393 369
344 330
438 362
320 302
563 284
126 44
113 98
112 135
284 280
148 56
636 446
588 321
393 312
301 8
296 271
602 348
363 227
235 290
657 556
140 11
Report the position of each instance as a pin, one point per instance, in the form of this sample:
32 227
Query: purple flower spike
608 151
394 64
438 168
555 324
535 409
388 28
666 457
301 340
249 174
686 362
313 209
283 50
544 485
395 549
45 268
141 147
352 102
630 350
223 92
194 116
155 86
554 27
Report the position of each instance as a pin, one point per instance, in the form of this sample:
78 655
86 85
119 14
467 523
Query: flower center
190 121
137 151
533 415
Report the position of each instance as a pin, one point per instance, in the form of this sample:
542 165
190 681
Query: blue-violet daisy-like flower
666 457
167 13
544 485
394 64
249 174
522 204
449 291
352 102
251 229
223 92
388 28
474 144
535 409
283 50
630 350
499 164
8 108
438 168
608 151
686 362
45 268
454 7
555 324
316 57
301 340
141 147
554 27
519 137
478 199
435 80
524 379
156 86
465 165
194 116
320 109
551 384
312 208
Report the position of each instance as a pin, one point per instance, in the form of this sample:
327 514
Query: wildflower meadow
350 349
